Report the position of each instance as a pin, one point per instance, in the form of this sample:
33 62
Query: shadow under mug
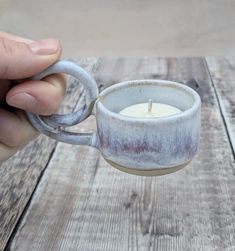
141 146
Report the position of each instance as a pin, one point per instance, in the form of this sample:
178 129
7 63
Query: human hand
20 59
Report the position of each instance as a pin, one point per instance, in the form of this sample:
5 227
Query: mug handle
51 125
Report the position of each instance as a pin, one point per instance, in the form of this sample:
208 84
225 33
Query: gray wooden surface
223 73
20 175
82 203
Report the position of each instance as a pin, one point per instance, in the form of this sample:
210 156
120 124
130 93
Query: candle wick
150 105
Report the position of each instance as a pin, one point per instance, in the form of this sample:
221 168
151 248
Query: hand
20 59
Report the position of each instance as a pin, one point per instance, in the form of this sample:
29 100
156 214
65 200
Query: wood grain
20 174
82 203
222 72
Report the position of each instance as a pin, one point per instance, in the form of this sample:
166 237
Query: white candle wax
148 110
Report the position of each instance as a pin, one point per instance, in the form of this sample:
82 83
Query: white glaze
148 143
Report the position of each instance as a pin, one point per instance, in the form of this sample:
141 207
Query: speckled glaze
142 146
148 145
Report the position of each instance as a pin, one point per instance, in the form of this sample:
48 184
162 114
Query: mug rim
123 84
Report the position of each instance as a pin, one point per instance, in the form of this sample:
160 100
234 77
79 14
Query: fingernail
44 47
23 101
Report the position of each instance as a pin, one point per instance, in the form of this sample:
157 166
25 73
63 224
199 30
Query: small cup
141 146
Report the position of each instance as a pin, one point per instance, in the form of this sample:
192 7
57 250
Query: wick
150 105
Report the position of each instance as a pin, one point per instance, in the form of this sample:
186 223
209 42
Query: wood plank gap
20 174
192 209
221 112
8 244
78 102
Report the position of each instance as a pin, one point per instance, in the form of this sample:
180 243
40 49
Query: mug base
148 172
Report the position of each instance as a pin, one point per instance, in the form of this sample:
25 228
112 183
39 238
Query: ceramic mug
142 146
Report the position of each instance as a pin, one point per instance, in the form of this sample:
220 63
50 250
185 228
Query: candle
149 110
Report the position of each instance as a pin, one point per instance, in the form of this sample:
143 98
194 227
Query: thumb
22 60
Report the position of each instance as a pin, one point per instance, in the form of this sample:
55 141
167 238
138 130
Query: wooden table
55 196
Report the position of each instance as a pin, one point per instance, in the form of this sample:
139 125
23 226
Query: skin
22 58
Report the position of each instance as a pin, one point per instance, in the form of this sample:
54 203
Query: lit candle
149 110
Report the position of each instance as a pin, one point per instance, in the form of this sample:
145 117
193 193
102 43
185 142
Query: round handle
51 125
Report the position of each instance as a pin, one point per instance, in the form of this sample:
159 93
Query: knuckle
8 50
4 50
8 47
4 70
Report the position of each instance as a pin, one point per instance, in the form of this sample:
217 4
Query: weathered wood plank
82 203
223 76
20 174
